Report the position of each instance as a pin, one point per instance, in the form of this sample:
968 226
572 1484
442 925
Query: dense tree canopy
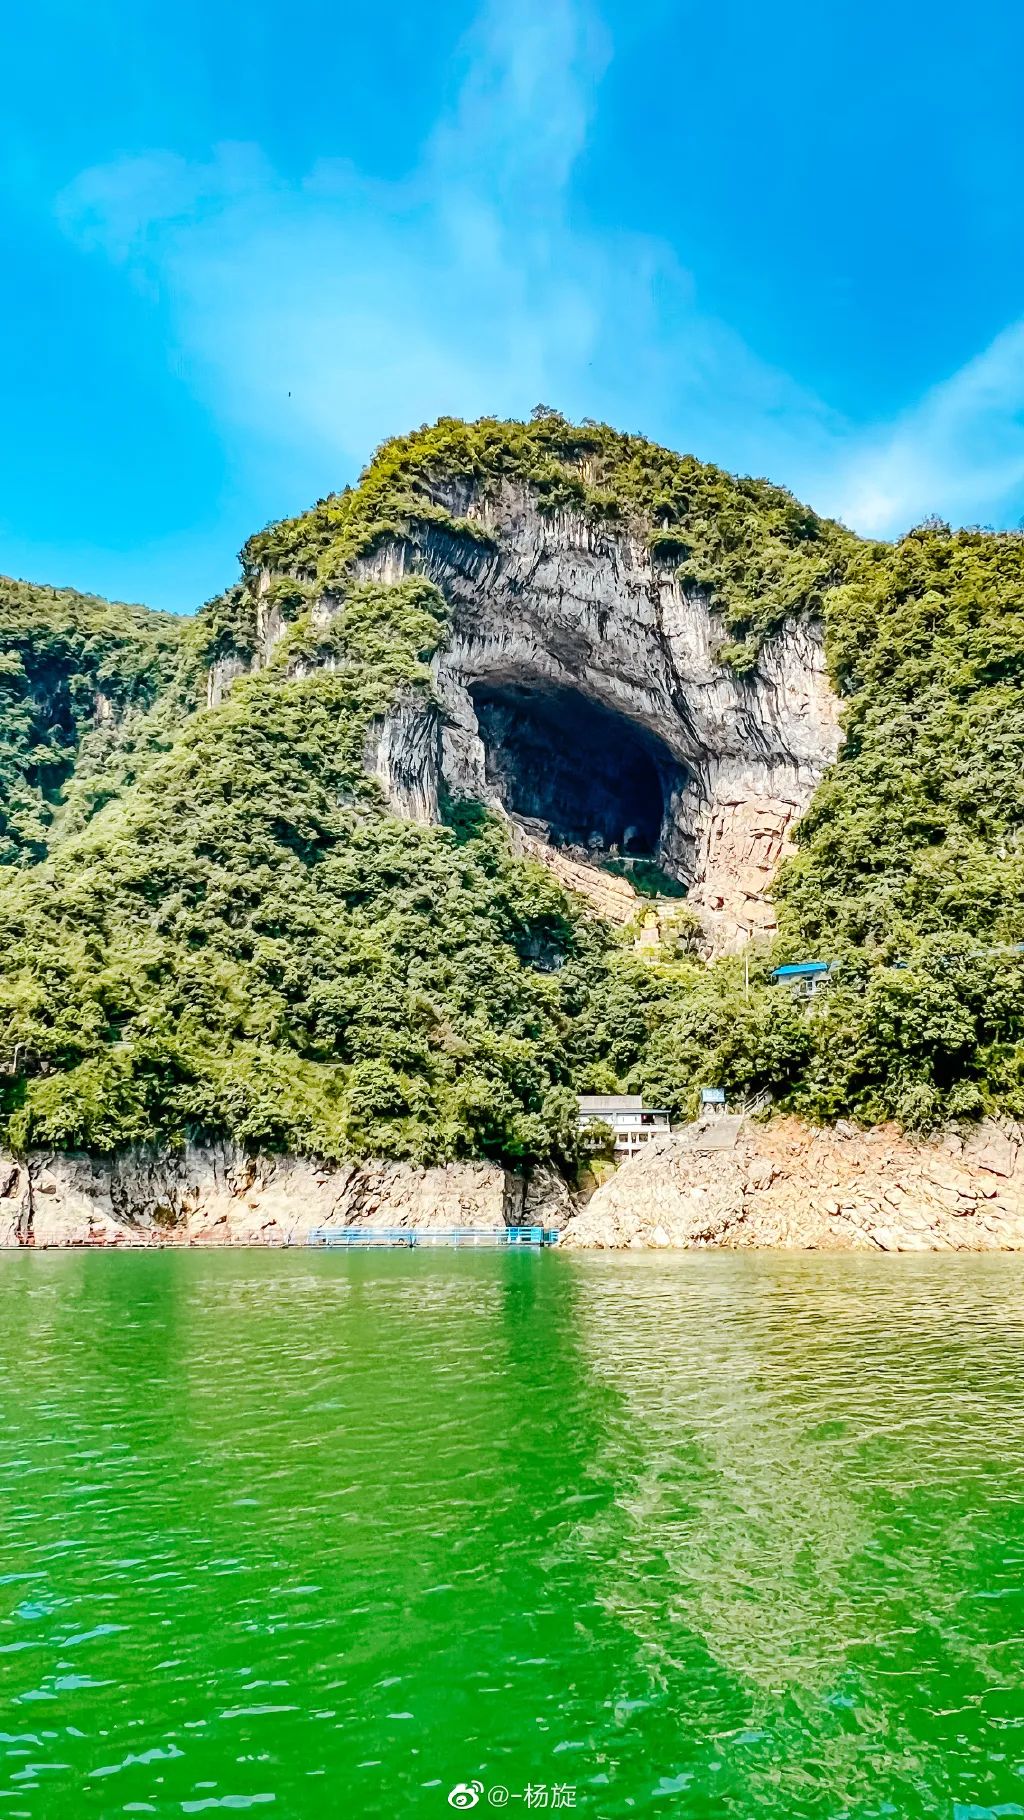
75 674
210 922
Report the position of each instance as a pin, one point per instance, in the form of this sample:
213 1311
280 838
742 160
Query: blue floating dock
409 1238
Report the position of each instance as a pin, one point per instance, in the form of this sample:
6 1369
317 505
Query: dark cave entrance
597 780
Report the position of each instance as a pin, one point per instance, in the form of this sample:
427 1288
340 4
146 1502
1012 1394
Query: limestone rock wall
613 896
559 604
739 1185
404 754
218 1194
733 1184
559 607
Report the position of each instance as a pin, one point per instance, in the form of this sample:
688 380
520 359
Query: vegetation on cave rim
244 942
646 877
752 548
218 928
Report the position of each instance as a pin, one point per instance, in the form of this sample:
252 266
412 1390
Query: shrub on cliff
76 673
246 942
216 926
755 551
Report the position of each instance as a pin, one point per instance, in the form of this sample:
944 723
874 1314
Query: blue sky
243 245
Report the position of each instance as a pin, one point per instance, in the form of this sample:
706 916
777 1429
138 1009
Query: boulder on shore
738 1184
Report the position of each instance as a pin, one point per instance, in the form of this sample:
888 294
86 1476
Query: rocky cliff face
218 1194
579 692
738 1186
734 1185
580 688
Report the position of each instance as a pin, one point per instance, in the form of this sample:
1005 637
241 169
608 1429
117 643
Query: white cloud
314 318
959 452
124 208
330 313
526 101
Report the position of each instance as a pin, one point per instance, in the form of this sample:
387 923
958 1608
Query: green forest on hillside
211 924
60 654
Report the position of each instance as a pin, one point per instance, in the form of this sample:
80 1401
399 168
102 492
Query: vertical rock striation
561 625
580 692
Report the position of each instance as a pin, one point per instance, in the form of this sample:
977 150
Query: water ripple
716 1536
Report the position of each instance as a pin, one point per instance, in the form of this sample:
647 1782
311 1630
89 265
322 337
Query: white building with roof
633 1123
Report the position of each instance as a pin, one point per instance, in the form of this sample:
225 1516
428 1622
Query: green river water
318 1535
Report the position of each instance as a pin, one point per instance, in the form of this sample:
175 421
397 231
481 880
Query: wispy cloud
338 310
959 452
322 315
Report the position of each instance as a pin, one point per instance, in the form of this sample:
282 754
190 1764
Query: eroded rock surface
580 687
218 1194
741 1185
579 691
733 1184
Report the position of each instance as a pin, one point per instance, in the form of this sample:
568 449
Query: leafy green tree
210 923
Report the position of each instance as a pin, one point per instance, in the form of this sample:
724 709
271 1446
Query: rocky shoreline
786 1185
731 1184
218 1194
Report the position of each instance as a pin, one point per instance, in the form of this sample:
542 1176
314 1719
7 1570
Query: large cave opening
596 780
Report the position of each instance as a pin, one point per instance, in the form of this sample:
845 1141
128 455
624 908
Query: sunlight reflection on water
710 1535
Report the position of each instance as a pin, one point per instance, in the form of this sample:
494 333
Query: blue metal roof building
803 977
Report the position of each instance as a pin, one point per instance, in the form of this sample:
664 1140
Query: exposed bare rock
713 1135
612 896
993 1148
569 641
762 1172
730 1183
580 690
669 1188
546 1198
785 1184
218 1194
885 1239
403 755
220 677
